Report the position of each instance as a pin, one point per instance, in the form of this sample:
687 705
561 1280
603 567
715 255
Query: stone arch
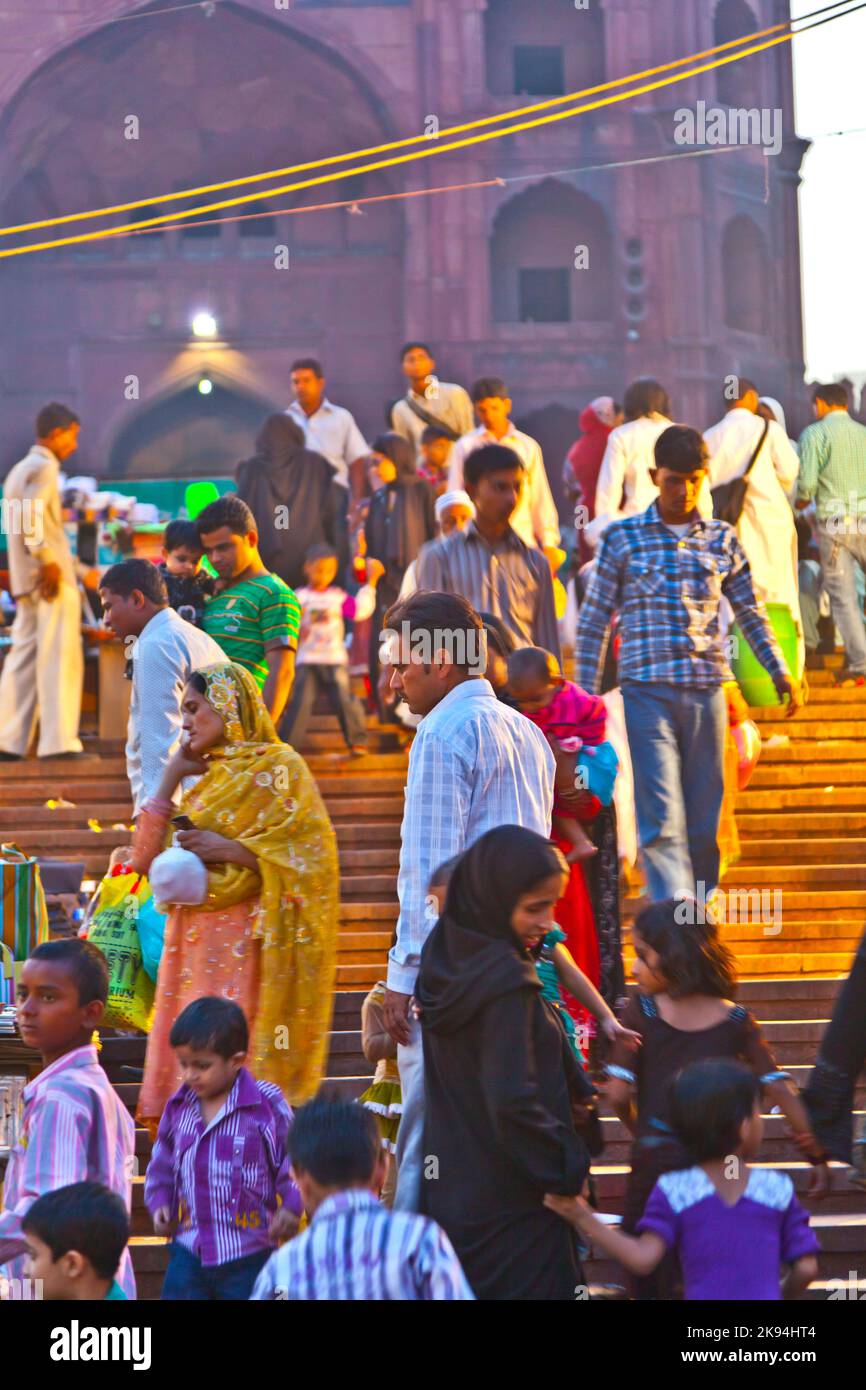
181 433
539 243
543 50
224 92
737 84
745 276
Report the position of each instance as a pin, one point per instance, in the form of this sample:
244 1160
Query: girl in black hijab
499 1075
399 521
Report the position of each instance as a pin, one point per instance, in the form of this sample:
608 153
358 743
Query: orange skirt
204 953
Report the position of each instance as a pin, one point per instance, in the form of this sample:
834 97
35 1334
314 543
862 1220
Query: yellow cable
390 163
383 149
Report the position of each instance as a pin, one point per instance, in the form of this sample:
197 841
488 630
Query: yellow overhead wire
436 148
391 145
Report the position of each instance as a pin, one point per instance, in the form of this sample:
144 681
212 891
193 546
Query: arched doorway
188 434
745 276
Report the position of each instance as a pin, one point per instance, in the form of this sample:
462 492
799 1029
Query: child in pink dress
570 719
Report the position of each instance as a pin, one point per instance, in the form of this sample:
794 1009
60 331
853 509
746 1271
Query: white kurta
766 525
624 485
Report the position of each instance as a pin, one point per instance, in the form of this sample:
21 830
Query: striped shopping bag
23 914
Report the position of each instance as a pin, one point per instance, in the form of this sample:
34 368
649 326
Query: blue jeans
842 552
676 737
187 1278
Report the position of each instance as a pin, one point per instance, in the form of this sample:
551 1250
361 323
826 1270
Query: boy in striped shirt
75 1127
354 1248
254 616
219 1180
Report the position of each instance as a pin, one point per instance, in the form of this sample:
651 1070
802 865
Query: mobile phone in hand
182 823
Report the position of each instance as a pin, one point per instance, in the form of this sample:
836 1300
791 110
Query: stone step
807 850
803 773
828 798
811 730
754 825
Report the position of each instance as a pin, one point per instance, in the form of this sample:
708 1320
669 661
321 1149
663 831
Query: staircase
802 824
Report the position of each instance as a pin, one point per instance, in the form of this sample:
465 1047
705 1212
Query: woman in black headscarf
399 521
499 1076
284 474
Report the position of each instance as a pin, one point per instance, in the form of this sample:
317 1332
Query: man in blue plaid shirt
665 572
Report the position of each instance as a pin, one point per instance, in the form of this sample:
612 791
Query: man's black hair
744 386
211 1024
490 458
128 575
178 533
86 1217
230 511
308 364
487 386
709 1102
441 616
54 416
84 962
646 396
431 432
407 347
831 393
335 1141
681 449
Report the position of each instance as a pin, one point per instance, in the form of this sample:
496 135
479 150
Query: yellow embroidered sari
259 791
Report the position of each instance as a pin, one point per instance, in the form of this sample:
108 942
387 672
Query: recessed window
544 295
539 70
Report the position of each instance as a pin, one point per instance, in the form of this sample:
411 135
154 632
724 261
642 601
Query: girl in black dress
500 1079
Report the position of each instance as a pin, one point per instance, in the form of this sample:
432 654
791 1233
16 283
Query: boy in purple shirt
75 1127
219 1179
732 1226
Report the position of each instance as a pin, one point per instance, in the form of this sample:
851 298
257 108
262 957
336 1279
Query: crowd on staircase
467 1164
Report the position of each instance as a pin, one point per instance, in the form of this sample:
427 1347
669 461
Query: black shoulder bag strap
429 419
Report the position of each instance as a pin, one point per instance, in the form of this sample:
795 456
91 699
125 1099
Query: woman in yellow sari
266 936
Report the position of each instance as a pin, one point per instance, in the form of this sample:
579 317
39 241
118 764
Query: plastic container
755 683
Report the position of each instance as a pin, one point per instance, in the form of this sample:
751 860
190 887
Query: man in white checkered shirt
475 764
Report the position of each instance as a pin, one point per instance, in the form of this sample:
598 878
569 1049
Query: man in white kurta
44 668
624 485
766 525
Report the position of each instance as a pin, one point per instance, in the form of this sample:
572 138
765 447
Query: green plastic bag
114 929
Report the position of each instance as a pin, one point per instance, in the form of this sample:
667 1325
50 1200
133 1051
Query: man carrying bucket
665 571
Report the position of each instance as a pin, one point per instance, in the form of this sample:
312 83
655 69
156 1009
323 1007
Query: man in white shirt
328 429
164 650
625 486
44 668
535 519
428 400
475 764
766 526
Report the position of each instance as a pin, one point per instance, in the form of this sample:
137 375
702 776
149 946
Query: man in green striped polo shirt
254 616
833 471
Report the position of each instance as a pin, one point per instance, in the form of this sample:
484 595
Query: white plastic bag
178 877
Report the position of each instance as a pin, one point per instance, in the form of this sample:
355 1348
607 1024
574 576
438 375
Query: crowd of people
466 1165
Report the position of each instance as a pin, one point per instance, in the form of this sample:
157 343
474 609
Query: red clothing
585 457
574 914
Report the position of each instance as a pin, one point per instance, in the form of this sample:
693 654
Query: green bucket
756 685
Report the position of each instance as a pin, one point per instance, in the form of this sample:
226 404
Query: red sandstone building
693 264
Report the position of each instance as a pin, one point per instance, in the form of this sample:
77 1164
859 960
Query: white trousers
43 675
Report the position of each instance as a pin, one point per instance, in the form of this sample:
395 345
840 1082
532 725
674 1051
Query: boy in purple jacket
218 1180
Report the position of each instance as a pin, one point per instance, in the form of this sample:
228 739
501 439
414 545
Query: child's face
382 470
58 1281
532 917
647 970
50 1015
184 561
532 694
207 1073
321 573
435 454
